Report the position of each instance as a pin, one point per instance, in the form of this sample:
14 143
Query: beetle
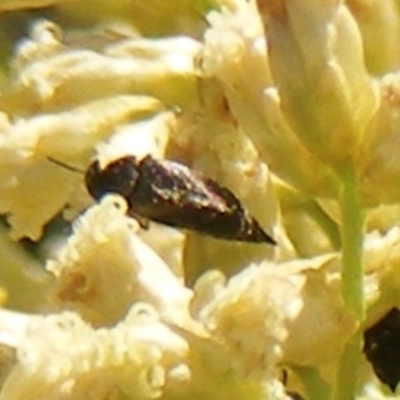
171 193
382 348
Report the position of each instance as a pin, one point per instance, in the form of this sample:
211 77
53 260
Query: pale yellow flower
290 104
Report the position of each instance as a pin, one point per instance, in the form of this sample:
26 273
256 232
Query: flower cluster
291 104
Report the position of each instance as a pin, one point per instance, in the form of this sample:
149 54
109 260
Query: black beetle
382 348
172 194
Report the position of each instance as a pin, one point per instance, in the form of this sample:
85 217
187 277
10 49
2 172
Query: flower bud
316 59
235 53
379 24
379 163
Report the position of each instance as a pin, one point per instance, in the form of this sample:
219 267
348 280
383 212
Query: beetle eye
119 177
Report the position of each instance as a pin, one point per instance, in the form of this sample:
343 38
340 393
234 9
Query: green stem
346 377
352 241
351 284
315 387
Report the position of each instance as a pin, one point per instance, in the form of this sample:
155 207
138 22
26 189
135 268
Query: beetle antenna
64 165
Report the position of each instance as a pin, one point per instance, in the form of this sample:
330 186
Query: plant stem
352 241
315 387
351 283
346 376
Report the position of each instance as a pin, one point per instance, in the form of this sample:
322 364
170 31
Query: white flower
105 267
274 100
60 355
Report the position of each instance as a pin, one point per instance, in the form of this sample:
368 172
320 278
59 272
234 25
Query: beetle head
119 176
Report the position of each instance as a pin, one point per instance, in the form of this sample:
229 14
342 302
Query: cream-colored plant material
291 104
